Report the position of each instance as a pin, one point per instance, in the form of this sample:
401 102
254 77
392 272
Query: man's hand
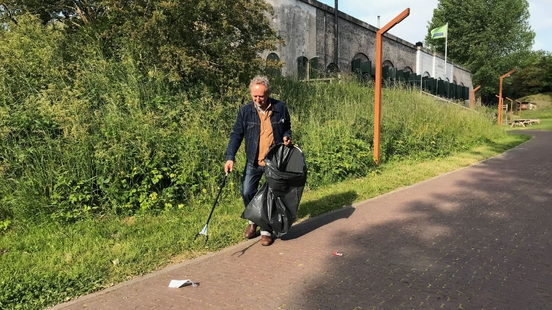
228 166
287 141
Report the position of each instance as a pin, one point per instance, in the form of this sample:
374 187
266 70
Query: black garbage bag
274 207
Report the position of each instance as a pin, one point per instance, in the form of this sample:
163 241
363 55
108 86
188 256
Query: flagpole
446 47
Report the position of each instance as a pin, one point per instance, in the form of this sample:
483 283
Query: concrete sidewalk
477 238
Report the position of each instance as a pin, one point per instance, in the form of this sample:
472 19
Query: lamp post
500 96
472 98
499 107
511 109
519 108
377 87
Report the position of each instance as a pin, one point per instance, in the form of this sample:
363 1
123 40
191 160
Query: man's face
259 94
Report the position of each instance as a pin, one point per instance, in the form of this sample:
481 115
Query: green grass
543 113
394 175
71 260
96 194
108 168
545 124
543 100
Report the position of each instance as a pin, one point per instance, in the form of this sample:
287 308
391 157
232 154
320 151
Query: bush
96 136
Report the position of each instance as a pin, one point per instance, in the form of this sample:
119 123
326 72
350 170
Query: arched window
407 69
273 65
313 68
332 70
388 63
361 56
426 74
302 67
361 64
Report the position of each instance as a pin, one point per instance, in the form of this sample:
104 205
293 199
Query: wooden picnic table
524 122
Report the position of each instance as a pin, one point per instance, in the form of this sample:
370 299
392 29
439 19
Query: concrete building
309 29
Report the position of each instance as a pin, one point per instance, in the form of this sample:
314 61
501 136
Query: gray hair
260 79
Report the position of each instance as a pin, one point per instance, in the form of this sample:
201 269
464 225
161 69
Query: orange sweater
266 138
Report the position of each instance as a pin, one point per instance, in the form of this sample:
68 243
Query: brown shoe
266 240
250 231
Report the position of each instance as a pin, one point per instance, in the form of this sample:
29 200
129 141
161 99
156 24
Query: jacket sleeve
236 137
287 130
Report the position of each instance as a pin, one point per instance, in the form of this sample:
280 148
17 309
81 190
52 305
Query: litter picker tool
206 227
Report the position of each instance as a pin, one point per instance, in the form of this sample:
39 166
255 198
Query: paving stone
477 238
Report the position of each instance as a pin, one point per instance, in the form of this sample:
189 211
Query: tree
199 41
547 82
130 80
208 42
30 59
489 37
535 75
71 11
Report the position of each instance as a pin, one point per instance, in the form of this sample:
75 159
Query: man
263 122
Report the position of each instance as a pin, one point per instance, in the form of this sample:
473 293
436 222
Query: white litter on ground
181 283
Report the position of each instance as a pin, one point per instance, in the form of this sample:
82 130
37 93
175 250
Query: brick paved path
477 238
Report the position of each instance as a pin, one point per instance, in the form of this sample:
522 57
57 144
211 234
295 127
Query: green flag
440 32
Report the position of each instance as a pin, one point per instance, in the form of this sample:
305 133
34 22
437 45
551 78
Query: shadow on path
479 238
308 226
319 208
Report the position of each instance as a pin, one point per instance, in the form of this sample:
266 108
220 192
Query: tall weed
84 134
334 124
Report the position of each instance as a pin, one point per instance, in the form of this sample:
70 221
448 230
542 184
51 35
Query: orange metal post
519 109
472 98
499 106
377 90
500 96
511 108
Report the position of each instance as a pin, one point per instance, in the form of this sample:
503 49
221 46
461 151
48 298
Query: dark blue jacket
248 126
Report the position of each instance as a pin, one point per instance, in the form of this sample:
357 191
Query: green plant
107 165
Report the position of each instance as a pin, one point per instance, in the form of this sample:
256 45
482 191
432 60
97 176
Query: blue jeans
250 181
250 185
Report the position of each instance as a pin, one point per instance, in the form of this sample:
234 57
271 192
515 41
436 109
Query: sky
414 27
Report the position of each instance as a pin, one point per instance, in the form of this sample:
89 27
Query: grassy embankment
46 260
543 112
